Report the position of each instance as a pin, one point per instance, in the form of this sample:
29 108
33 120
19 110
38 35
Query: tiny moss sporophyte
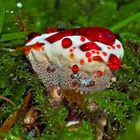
81 58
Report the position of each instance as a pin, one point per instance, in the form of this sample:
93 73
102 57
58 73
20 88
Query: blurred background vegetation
17 79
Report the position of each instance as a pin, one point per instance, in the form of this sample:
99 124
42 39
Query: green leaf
12 36
125 22
2 13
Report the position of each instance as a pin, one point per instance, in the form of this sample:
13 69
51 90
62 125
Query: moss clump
121 102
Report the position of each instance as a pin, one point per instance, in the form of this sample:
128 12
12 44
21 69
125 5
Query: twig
8 100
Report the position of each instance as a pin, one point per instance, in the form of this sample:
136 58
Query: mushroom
81 59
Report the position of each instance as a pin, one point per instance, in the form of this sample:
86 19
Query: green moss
121 101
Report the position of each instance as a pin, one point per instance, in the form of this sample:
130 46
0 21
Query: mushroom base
55 75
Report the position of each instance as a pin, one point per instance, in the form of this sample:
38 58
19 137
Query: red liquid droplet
100 34
104 53
88 54
89 46
75 69
89 60
82 61
82 38
97 58
100 73
71 50
66 43
114 61
97 52
118 46
59 36
113 47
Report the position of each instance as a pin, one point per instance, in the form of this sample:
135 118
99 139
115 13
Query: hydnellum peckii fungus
81 59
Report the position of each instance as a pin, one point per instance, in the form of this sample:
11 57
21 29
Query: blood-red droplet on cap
97 58
82 38
118 46
100 73
66 43
75 68
113 47
89 60
114 62
71 50
87 54
105 36
104 53
82 61
97 52
100 34
89 46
